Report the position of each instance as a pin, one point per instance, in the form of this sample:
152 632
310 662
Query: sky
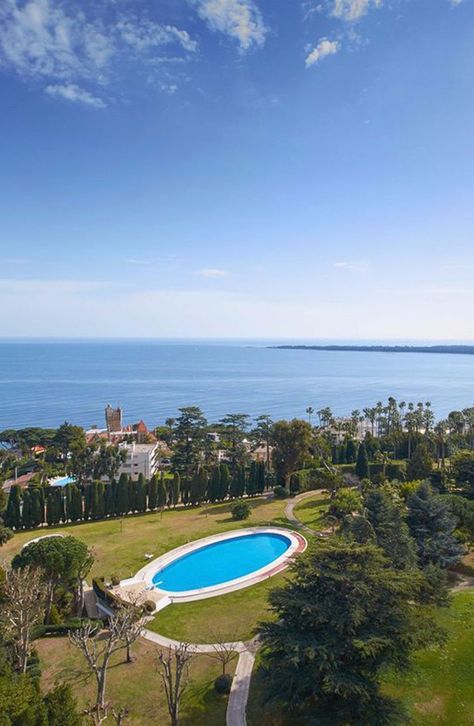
237 168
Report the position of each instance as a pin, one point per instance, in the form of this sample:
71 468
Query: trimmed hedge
41 631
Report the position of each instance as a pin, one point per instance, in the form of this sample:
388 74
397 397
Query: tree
123 628
161 493
234 427
61 707
23 595
462 467
362 465
240 510
174 673
54 506
189 435
68 437
175 489
420 465
214 484
339 623
251 486
291 440
262 435
432 526
344 503
12 514
153 492
5 534
222 651
123 503
238 482
62 561
198 485
390 528
224 481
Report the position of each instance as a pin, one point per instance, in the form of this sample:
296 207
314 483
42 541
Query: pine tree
420 465
391 531
345 617
432 526
362 466
153 492
224 481
12 514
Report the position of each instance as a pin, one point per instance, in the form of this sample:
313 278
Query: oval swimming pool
222 561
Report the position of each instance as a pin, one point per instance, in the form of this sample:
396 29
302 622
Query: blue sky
223 168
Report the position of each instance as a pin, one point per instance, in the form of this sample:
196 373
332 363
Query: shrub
115 580
149 606
280 492
240 510
223 683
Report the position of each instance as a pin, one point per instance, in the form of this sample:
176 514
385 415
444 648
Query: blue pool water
62 482
222 561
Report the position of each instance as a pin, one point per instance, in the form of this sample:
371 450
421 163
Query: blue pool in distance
219 562
64 481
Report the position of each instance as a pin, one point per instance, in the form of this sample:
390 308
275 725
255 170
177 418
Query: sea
46 382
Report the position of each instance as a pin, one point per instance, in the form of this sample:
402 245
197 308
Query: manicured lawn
311 511
120 545
228 617
438 690
137 686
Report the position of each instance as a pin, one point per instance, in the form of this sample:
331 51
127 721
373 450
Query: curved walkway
293 519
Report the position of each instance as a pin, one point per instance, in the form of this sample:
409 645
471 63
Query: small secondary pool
63 481
222 561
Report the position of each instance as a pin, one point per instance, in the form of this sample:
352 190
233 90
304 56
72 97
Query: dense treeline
36 506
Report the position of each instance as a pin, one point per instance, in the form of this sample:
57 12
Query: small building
141 459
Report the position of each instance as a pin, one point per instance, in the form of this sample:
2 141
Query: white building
141 459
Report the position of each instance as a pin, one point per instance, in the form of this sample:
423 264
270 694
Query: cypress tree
26 512
161 492
362 466
224 481
98 500
153 492
350 451
175 489
109 503
237 485
140 493
88 495
214 484
54 506
251 487
12 514
37 507
122 495
260 477
73 503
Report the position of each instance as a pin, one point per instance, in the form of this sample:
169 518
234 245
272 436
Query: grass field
137 686
311 510
228 617
120 545
438 689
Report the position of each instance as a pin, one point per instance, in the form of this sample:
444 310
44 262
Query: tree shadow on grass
254 503
203 706
314 504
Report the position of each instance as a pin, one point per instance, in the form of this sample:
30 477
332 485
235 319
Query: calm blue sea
44 383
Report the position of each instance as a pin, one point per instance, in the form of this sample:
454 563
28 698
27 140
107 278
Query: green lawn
311 510
120 545
136 686
438 690
228 617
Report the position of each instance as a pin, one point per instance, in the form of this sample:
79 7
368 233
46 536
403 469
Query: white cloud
455 2
71 92
54 42
324 48
353 9
211 272
360 266
239 19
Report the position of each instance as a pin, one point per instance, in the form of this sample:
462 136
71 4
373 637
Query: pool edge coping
145 575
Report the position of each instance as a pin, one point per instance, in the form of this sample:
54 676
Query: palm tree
310 411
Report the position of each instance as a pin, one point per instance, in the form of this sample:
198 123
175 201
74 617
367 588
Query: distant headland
456 349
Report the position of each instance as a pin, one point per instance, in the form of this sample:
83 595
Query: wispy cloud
138 261
353 9
71 92
239 19
323 49
211 272
358 266
78 52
